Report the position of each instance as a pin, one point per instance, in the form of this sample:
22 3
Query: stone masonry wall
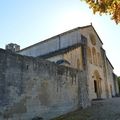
31 87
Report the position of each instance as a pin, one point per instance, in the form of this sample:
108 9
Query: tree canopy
111 7
119 82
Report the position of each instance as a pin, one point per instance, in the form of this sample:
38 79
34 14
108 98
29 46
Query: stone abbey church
55 76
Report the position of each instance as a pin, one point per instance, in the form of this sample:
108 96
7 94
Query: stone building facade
80 48
55 76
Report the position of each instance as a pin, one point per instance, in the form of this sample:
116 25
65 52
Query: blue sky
26 22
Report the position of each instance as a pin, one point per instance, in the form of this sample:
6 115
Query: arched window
99 59
89 55
94 56
78 64
62 62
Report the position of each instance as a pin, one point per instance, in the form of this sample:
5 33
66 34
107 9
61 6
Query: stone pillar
83 94
105 72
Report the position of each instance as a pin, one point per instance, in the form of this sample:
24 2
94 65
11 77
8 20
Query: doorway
97 88
97 84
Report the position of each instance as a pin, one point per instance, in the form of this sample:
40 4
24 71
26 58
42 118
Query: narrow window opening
95 86
27 67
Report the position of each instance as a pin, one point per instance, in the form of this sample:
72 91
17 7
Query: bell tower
12 47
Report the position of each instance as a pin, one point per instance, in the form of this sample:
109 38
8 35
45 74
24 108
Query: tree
111 7
119 82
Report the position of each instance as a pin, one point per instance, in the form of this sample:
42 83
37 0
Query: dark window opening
62 61
27 67
95 86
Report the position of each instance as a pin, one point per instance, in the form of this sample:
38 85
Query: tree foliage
111 7
119 82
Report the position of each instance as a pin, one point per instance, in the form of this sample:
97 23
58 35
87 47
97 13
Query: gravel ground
100 110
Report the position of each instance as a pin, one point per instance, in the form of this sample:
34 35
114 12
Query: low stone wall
31 87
